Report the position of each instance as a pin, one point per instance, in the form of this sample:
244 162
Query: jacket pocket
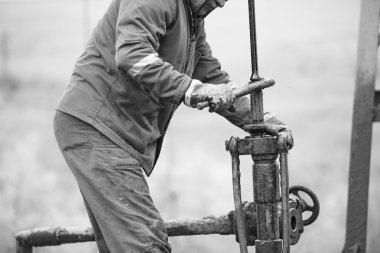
133 113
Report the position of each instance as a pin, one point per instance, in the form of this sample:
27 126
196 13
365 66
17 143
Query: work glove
219 96
283 130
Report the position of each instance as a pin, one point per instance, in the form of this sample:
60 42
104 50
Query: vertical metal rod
257 107
256 97
239 214
285 201
361 136
252 30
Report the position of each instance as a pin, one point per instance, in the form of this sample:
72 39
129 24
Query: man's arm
140 25
208 70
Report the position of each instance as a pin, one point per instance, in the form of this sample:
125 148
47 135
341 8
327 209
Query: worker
144 58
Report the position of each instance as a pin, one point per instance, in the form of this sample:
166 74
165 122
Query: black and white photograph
189 126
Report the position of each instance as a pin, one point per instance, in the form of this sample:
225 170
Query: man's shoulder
152 3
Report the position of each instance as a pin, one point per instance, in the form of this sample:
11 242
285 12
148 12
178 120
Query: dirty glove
283 130
219 96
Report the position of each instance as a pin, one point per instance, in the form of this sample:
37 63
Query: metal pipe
54 236
252 32
252 87
257 109
239 217
285 201
256 97
244 90
267 198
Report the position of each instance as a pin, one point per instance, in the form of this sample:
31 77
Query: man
144 58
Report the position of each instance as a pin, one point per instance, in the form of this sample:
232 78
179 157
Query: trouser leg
114 187
102 245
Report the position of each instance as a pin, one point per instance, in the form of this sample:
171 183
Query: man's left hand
283 130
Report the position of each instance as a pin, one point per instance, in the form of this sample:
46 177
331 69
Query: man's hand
286 134
220 96
283 130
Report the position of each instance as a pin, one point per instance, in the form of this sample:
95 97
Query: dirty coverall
110 123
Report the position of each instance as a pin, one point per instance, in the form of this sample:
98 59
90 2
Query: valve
295 221
313 207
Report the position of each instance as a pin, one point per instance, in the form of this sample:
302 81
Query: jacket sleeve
139 27
207 68
243 116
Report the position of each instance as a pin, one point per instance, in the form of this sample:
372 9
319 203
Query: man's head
202 8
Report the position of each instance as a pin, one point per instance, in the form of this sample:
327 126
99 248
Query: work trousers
114 189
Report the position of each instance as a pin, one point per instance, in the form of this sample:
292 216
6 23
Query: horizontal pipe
244 90
53 236
252 87
222 225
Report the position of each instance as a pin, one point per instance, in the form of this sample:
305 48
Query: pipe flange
295 222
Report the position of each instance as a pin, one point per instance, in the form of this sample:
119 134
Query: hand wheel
314 208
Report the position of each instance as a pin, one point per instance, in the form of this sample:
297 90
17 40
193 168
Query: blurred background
308 47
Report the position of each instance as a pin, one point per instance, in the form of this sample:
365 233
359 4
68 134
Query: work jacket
140 60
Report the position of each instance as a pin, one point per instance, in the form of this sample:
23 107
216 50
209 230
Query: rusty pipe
244 90
239 214
285 201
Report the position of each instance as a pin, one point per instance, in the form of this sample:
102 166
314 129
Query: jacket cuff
195 84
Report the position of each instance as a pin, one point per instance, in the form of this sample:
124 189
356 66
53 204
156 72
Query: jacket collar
195 4
199 8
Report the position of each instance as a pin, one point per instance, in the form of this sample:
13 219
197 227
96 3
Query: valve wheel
313 208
